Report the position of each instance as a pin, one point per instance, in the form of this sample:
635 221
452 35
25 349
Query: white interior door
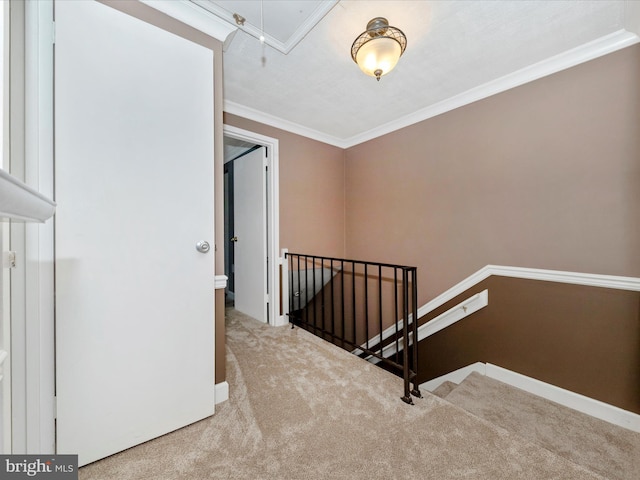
250 229
134 187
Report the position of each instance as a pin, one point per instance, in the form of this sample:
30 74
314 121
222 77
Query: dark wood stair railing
360 306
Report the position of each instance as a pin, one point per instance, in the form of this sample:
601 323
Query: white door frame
5 278
276 317
32 296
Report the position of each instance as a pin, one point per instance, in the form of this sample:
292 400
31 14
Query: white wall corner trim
220 282
221 392
191 14
21 202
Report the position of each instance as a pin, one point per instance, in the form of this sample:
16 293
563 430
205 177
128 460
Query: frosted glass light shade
378 48
378 56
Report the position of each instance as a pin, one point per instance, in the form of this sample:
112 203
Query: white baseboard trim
575 401
221 392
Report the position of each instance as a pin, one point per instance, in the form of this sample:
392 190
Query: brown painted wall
583 339
311 191
546 175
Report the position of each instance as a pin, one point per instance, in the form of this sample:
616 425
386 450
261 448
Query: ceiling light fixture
377 50
239 19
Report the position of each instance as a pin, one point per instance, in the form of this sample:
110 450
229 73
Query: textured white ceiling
453 48
283 23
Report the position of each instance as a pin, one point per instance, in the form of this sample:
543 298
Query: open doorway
234 150
251 225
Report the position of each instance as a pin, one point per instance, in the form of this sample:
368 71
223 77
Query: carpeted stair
599 446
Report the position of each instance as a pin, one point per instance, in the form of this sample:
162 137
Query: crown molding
584 53
277 122
589 51
190 14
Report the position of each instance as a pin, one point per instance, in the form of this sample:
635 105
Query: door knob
234 239
203 246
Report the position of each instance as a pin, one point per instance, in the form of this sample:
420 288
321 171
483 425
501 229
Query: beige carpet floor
597 445
301 408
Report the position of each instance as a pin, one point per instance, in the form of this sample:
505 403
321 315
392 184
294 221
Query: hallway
301 408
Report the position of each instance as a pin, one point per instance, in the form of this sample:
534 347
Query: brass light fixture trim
378 28
239 19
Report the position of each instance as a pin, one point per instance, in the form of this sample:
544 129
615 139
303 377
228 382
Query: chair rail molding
220 282
480 300
576 278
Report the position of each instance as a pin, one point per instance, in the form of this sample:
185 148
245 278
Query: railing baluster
322 288
366 306
342 326
312 312
313 294
333 303
353 300
395 310
306 288
290 260
299 297
405 337
414 297
380 306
